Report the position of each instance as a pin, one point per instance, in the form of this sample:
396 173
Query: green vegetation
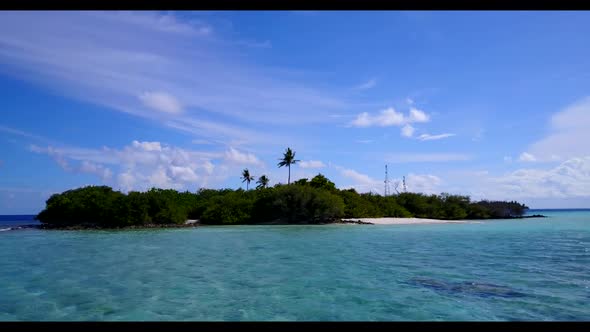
305 201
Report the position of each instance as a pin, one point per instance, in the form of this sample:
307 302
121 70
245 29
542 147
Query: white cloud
127 180
571 178
361 182
147 146
142 165
526 157
423 183
358 177
407 131
428 137
567 136
426 157
367 85
238 157
161 101
88 167
363 120
389 117
311 164
417 115
567 183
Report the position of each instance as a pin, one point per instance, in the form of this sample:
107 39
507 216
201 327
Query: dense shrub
302 203
232 208
306 201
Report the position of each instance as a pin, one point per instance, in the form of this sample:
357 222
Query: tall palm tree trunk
289 179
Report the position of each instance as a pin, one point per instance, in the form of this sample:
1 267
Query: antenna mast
404 183
386 191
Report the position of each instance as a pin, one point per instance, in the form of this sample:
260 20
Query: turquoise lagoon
524 269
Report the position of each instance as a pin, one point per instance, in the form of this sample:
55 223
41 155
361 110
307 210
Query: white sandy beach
404 221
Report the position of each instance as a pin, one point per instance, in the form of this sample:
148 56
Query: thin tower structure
386 191
404 184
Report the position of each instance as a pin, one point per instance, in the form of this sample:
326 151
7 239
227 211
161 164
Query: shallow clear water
530 269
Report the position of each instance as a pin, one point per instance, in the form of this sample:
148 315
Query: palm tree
288 160
247 177
262 182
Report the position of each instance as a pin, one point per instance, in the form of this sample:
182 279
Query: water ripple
473 271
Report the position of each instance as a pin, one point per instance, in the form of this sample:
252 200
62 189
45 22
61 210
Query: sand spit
403 221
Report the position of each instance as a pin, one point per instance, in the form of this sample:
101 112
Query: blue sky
490 104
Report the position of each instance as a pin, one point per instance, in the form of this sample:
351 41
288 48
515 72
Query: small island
315 201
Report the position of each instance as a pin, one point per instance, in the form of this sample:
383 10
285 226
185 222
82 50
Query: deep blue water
8 222
524 269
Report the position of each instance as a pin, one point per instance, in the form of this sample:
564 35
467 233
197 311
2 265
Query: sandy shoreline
404 221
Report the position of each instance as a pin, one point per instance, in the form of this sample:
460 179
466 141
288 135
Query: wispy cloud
158 22
157 66
254 44
202 142
53 153
366 85
161 101
390 117
428 137
18 132
426 157
527 157
312 164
